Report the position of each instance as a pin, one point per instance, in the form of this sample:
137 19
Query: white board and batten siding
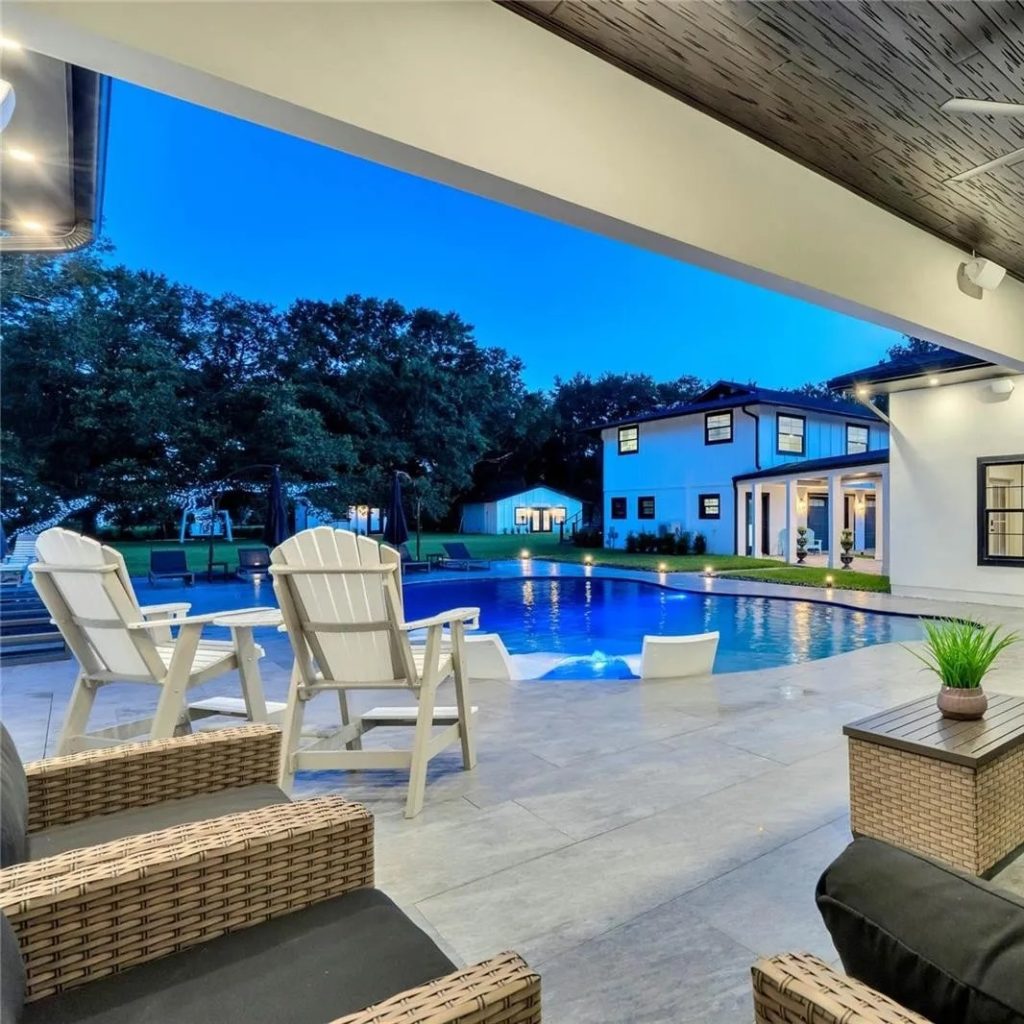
500 516
674 466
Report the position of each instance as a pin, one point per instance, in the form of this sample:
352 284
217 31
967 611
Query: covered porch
824 496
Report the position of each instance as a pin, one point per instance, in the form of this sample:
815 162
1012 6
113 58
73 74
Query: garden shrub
700 544
683 543
666 544
588 537
632 545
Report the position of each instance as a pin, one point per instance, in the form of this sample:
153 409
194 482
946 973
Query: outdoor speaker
984 273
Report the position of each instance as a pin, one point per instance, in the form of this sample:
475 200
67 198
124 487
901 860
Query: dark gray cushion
12 975
309 967
938 941
13 803
102 828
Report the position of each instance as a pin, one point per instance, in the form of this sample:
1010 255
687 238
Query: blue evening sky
225 205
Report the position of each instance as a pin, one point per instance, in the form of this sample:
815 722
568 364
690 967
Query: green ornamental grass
961 652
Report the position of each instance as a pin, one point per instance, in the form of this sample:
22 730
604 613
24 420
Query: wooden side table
949 790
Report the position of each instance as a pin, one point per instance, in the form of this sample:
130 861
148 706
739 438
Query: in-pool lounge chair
252 562
88 593
342 606
458 557
170 565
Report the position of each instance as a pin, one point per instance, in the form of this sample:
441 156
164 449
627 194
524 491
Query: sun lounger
170 565
459 557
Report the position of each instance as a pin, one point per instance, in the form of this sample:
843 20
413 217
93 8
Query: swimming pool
593 622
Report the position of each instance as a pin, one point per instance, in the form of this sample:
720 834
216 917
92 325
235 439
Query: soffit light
6 43
21 155
863 391
933 381
34 226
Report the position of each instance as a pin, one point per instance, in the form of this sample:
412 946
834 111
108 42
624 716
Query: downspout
736 488
757 435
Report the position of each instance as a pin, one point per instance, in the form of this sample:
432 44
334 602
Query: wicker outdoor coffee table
949 790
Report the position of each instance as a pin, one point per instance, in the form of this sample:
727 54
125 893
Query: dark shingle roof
909 367
728 395
868 458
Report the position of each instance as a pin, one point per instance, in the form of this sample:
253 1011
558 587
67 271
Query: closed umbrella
275 528
396 532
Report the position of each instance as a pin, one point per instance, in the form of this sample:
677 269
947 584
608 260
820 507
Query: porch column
791 522
835 516
740 524
755 546
882 520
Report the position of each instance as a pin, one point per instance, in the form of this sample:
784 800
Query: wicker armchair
797 988
68 789
86 915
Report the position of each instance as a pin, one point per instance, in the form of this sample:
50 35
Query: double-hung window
645 508
1001 511
618 508
629 440
709 506
856 439
718 427
790 430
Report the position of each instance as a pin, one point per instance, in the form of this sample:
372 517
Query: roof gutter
757 435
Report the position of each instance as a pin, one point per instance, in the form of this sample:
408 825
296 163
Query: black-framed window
618 508
629 440
789 433
857 438
1001 510
645 507
522 516
718 427
709 506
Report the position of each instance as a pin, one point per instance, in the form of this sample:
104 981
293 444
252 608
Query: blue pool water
594 622
589 624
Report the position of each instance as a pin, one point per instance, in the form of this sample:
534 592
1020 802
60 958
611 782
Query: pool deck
640 843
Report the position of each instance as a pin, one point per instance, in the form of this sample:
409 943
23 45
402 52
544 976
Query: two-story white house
746 466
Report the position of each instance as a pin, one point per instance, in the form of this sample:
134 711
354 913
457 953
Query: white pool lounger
674 657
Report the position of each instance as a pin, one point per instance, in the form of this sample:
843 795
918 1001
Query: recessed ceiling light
21 155
9 44
862 391
34 226
933 381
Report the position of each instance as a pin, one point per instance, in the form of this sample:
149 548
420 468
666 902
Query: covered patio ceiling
471 94
852 89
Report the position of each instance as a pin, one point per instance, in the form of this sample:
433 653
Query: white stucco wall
937 437
675 466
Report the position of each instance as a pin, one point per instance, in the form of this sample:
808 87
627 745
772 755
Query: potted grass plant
960 653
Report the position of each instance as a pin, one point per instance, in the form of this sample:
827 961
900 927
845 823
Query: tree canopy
131 390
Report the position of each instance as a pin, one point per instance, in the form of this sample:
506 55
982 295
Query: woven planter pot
963 705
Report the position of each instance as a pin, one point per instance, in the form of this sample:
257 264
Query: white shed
531 510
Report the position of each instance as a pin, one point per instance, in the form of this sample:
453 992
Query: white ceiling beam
472 95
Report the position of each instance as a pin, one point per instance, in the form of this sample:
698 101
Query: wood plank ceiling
849 88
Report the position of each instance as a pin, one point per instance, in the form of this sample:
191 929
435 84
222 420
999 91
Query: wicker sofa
96 796
254 917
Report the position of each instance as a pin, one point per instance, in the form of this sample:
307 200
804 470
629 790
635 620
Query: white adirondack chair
86 588
340 600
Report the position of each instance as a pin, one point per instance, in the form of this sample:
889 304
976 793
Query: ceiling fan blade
959 105
1003 161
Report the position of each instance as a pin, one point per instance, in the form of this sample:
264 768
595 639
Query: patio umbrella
396 531
275 529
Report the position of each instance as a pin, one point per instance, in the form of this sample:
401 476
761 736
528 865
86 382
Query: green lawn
546 546
809 576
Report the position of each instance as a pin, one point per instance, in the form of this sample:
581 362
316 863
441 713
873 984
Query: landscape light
662 567
828 580
524 553
709 570
588 559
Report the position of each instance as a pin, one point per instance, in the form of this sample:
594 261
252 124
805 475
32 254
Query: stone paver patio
639 843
